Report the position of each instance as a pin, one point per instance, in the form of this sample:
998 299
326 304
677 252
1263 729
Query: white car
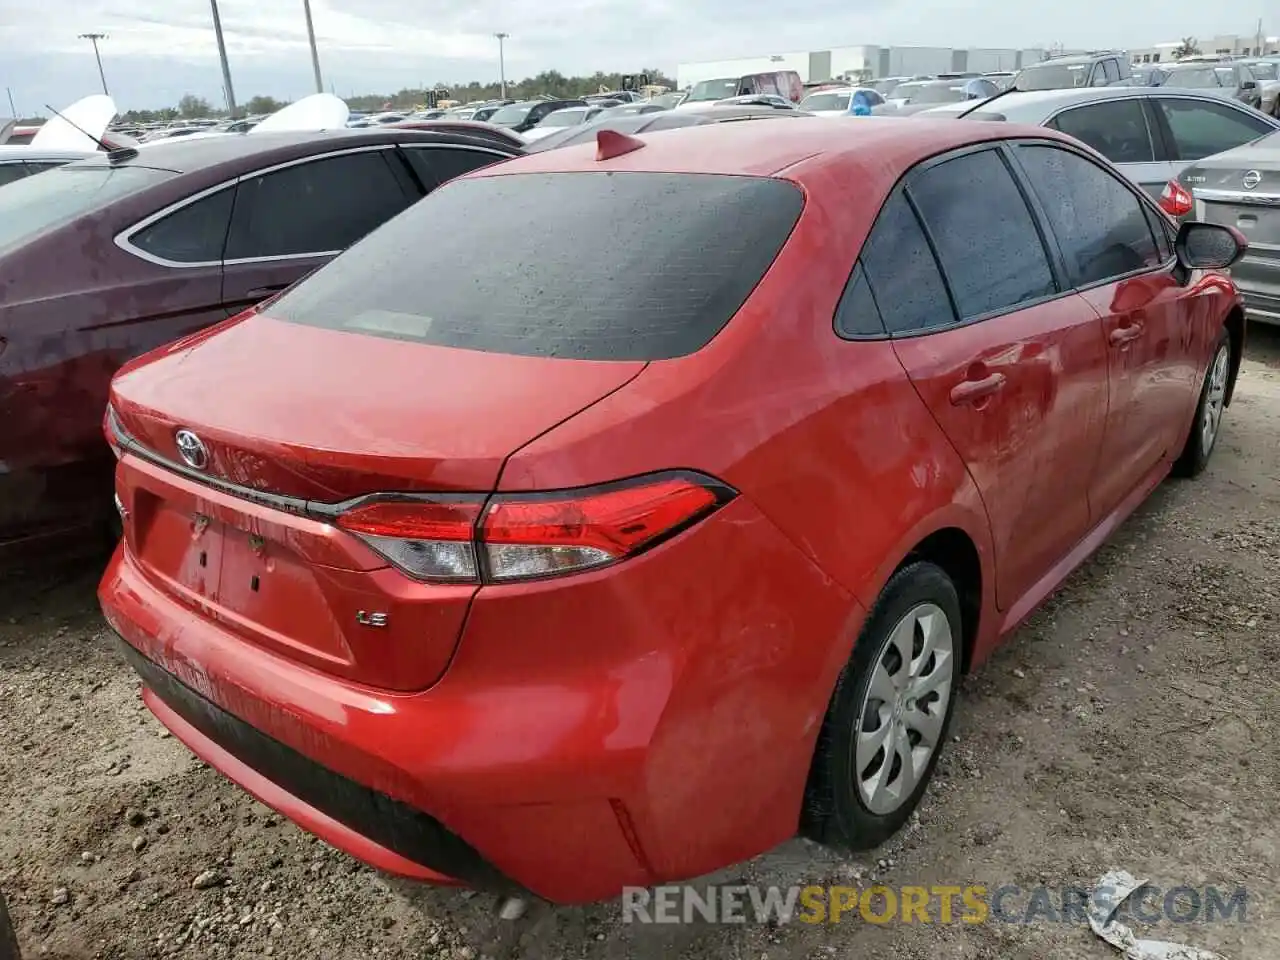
835 102
559 119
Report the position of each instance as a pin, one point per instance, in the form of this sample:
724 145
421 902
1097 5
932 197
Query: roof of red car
764 147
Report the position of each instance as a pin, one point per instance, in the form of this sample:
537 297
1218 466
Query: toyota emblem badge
191 449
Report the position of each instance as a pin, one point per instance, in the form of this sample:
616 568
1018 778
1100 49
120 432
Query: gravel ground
1129 724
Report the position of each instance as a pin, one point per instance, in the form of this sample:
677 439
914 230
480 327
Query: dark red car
655 516
107 258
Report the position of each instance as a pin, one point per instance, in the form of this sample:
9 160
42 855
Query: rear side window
857 316
1099 222
1117 130
10 172
523 271
902 272
195 233
315 207
1202 129
987 242
437 165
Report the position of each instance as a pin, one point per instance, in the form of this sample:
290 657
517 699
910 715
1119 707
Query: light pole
222 55
94 38
315 56
502 64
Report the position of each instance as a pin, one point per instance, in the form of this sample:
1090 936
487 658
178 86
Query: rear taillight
531 536
428 539
1176 200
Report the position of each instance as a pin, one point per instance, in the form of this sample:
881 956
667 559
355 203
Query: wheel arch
1235 324
955 552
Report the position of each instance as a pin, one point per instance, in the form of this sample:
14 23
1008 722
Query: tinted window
43 166
33 205
1202 129
194 234
903 273
1117 130
313 207
436 165
522 272
10 172
987 242
1111 70
857 315
1098 221
1161 231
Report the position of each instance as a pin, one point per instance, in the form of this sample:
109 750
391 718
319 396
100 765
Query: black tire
1198 447
835 812
8 936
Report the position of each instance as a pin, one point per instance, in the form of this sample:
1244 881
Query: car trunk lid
246 540
326 415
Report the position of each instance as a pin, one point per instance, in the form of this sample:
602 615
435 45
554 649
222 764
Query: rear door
1198 127
1009 361
1121 131
1116 262
290 219
185 242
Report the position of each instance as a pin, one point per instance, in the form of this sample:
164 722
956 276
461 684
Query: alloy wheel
904 710
1215 399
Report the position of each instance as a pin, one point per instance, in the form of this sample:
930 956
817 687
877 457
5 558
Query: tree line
549 82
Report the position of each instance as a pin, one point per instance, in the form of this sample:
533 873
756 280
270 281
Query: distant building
1224 45
863 63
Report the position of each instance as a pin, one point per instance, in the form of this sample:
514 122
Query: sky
156 52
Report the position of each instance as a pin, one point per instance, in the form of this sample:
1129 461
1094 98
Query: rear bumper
1257 275
643 723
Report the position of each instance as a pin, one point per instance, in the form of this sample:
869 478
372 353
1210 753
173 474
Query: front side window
522 271
1202 129
1117 130
987 242
1099 222
315 207
195 233
903 273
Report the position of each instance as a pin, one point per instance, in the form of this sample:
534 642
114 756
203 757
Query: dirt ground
1130 724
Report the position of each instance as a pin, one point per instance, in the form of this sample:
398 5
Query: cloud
157 52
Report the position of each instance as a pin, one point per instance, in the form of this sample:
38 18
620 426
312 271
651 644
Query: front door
1014 372
288 221
1113 258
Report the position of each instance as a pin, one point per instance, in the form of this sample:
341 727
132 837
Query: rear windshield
1057 76
826 101
591 266
34 205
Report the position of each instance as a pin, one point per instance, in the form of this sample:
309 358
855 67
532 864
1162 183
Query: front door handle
1122 335
970 390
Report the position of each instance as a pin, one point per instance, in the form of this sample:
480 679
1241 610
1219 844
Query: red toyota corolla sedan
616 513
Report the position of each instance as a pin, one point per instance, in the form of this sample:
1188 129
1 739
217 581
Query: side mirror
1249 85
1208 246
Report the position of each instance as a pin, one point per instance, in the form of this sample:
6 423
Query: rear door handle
971 390
1123 335
258 293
